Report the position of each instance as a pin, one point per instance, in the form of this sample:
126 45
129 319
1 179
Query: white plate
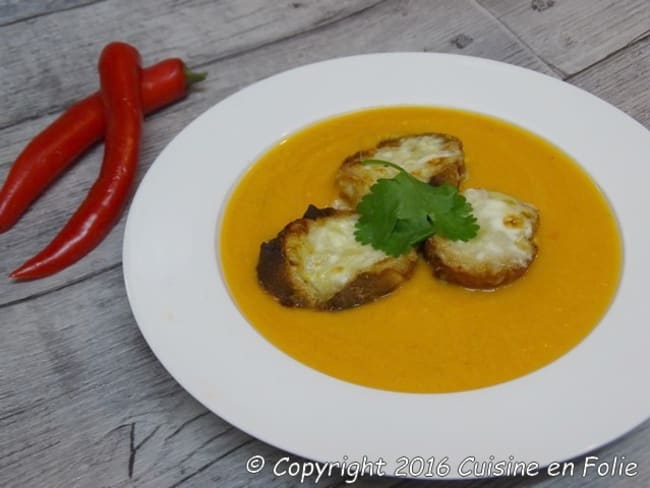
588 397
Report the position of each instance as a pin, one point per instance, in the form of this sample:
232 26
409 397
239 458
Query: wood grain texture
47 62
88 391
16 10
573 34
622 80
381 28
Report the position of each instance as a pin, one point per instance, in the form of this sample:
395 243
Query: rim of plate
586 398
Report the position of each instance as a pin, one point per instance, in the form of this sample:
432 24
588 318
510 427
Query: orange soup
429 336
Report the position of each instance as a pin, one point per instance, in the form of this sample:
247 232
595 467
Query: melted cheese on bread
502 250
328 256
316 262
432 158
422 156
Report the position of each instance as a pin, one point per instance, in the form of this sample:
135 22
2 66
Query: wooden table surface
83 401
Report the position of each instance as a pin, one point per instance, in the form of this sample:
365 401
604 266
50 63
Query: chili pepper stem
194 76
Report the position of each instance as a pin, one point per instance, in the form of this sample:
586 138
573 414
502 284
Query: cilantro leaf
402 211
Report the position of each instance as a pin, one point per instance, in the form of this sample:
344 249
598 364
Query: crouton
432 158
501 252
316 262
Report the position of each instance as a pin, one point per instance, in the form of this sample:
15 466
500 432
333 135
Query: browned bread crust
476 277
440 158
281 269
501 253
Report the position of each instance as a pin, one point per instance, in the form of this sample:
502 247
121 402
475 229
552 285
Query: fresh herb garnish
402 211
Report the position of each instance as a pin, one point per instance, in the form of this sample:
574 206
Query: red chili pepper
76 130
120 77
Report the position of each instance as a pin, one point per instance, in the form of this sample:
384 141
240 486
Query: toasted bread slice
316 262
501 252
433 158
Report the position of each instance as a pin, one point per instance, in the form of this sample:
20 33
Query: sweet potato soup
429 336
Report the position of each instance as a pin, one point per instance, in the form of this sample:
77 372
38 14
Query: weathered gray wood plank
49 61
16 10
622 80
574 34
89 405
434 27
86 389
